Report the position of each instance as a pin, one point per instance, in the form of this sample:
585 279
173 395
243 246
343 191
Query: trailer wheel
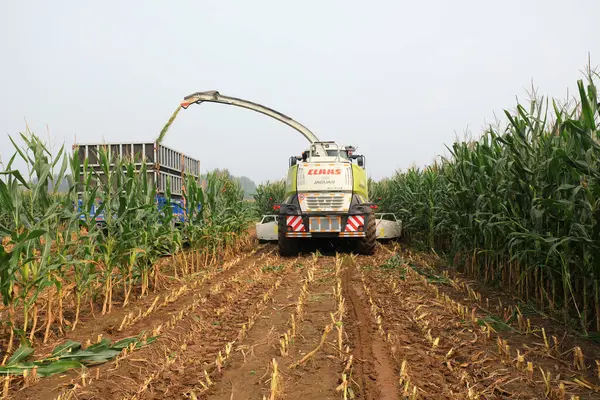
366 245
288 247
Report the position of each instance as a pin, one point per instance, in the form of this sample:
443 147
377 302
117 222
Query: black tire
367 244
288 247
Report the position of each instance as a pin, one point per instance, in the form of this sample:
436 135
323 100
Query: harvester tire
366 245
288 247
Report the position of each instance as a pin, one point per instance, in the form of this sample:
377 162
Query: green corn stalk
267 195
51 240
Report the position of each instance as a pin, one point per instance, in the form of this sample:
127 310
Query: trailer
165 167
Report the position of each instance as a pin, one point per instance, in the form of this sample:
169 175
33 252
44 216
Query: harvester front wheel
366 245
288 247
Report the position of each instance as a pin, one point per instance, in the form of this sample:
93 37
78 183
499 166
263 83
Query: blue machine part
177 209
95 206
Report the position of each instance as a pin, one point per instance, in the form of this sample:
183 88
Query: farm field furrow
313 366
133 318
199 341
326 326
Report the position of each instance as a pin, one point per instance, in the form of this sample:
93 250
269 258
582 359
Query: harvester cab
329 151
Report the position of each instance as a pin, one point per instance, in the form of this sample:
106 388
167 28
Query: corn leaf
57 367
66 347
19 355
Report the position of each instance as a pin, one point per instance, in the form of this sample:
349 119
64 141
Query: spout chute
215 97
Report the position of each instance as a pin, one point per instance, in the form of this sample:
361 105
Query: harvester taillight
276 207
374 206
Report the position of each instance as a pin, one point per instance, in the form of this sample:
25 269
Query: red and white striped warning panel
295 222
354 222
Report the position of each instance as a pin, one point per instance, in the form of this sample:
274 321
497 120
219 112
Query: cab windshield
334 153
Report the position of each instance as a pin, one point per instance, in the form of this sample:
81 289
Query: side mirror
361 161
293 161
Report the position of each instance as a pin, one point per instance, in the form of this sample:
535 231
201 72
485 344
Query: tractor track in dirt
383 374
376 327
360 336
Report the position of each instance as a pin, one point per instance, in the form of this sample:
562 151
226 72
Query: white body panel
266 229
388 226
324 177
324 186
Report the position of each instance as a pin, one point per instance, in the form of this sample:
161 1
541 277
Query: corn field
53 250
144 306
519 207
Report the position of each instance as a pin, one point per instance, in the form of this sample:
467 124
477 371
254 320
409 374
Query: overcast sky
398 79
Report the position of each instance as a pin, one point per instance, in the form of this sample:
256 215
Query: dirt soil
333 326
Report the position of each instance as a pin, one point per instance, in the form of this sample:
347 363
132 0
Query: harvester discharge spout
214 96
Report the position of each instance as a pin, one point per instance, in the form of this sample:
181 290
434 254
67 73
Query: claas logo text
330 171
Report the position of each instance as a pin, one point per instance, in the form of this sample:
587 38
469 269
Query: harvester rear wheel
367 244
288 247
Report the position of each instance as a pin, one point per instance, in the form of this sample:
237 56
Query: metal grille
336 201
325 224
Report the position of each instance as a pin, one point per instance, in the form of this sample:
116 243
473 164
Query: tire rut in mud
374 370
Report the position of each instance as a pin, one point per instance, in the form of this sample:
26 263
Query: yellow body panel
290 183
359 175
